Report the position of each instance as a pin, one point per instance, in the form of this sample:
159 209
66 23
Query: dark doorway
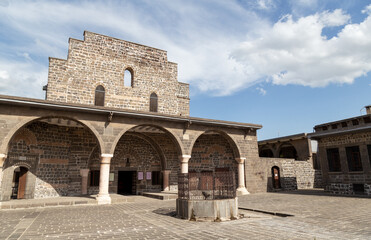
126 182
19 183
276 177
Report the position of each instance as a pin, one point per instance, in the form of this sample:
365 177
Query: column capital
106 158
84 172
240 160
2 159
184 158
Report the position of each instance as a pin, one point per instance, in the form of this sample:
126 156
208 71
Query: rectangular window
355 122
354 158
344 124
94 178
333 159
369 153
156 178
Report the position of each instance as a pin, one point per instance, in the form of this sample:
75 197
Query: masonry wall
102 60
293 174
342 182
212 151
55 158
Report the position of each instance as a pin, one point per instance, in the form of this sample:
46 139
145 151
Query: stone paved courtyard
314 217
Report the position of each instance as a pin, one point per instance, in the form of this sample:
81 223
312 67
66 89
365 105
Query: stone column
103 196
241 190
165 179
2 160
184 161
84 181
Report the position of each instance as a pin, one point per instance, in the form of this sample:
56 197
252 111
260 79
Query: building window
355 122
369 153
354 158
156 178
367 119
128 78
153 102
94 178
334 126
333 159
99 96
344 124
324 128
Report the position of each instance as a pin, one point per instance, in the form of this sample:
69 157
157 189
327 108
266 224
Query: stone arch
287 150
131 71
155 146
266 151
19 126
235 148
175 139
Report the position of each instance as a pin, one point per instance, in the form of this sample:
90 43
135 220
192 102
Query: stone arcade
115 120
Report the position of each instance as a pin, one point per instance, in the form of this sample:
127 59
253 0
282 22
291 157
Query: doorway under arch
19 183
276 181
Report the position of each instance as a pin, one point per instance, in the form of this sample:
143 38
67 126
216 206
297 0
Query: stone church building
115 120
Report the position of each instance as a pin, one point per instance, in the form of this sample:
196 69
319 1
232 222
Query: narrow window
94 178
354 158
153 103
99 96
369 153
333 159
128 78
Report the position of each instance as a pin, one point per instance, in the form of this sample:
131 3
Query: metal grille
207 185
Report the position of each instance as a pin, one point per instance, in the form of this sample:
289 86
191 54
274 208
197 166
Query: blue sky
287 65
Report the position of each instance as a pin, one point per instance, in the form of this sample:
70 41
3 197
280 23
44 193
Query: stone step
161 195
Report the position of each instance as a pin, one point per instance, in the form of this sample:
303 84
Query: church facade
115 120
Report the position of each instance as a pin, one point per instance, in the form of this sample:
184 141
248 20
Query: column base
105 199
242 191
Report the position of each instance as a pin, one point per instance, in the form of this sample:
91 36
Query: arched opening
99 96
288 151
266 152
128 78
276 177
213 152
19 183
153 103
145 159
54 150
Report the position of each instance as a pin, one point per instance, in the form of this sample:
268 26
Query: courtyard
304 214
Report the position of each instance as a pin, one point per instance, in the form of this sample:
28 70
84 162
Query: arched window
99 96
153 102
128 78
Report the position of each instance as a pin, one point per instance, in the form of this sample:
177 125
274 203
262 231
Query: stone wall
212 151
102 60
337 182
61 153
293 174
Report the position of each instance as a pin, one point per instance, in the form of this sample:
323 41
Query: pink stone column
84 181
241 190
103 196
184 161
165 179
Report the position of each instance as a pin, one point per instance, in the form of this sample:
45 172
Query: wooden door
276 177
22 183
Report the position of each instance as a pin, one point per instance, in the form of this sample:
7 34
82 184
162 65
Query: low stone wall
346 189
212 210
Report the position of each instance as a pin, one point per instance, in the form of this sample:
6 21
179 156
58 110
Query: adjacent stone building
345 154
288 163
115 120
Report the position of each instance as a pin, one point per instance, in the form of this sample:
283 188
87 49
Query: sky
287 65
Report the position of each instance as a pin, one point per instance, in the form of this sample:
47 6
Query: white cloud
265 4
262 91
367 10
295 52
